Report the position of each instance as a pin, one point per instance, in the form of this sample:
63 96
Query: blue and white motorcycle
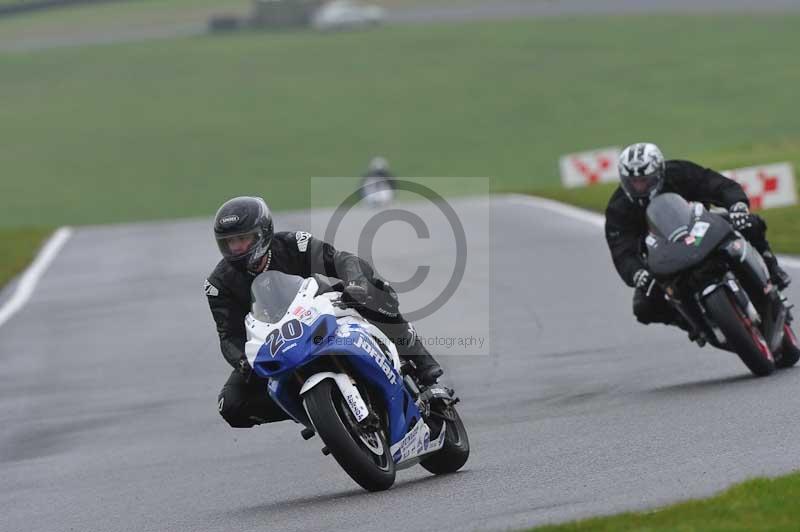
340 376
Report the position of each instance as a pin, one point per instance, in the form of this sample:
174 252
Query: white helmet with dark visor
641 172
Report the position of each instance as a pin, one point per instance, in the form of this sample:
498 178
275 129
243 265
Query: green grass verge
18 247
166 129
783 223
758 504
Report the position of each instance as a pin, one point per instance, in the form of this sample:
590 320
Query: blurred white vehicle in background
344 14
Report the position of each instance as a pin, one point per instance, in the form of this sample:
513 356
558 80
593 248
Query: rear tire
790 350
337 427
453 455
743 338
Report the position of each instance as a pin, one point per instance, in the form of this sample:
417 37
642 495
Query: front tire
743 337
363 456
453 455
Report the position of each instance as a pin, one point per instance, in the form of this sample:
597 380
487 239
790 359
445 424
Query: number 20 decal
290 330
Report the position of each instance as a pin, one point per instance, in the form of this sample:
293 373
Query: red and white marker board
589 167
767 186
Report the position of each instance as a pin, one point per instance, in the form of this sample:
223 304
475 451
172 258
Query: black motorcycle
719 284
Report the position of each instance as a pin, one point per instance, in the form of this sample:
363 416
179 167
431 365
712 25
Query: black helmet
243 229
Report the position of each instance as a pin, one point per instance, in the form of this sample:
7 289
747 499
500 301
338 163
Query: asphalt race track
109 378
511 9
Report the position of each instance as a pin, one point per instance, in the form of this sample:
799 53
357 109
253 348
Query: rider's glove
357 292
642 279
244 367
740 216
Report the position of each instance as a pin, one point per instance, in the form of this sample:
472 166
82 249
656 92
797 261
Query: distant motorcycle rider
244 233
379 167
377 184
643 175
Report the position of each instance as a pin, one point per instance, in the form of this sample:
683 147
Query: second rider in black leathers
644 174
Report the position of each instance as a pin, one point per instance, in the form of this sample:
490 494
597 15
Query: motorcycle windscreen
690 249
669 216
273 293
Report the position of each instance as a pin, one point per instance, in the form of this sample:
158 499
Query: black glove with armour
740 216
357 292
244 367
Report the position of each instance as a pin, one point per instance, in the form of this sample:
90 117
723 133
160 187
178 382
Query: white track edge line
33 274
577 213
791 262
564 209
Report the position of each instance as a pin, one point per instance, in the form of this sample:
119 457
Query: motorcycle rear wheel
453 455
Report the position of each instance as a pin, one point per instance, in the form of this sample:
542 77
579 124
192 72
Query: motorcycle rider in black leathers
644 174
244 232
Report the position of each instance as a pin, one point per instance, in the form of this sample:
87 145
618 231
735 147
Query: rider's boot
410 347
778 275
427 370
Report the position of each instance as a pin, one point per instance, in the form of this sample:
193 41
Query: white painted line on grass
593 218
30 278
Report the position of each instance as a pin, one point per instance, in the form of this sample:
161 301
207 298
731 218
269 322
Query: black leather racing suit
626 229
244 401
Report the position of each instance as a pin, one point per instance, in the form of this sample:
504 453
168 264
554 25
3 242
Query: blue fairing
278 359
281 356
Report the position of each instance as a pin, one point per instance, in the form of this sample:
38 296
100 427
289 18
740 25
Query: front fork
670 294
748 263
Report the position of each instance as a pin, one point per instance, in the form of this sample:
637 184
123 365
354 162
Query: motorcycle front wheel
365 456
742 336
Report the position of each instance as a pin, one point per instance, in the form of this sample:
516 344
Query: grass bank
18 246
166 129
758 504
